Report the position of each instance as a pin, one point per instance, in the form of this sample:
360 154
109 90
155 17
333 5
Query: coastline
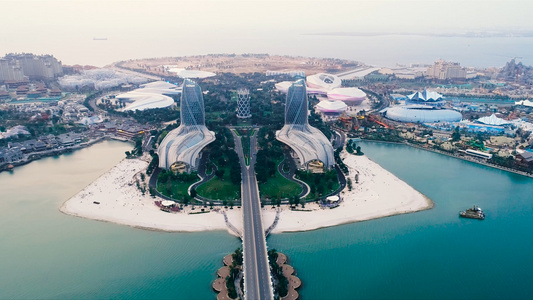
378 194
465 158
55 152
121 202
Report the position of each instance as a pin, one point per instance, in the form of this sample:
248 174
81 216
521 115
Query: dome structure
353 96
422 114
324 81
327 106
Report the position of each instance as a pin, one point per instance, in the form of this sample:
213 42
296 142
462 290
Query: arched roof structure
184 143
306 141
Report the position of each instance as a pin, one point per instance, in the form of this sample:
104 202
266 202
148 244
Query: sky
56 26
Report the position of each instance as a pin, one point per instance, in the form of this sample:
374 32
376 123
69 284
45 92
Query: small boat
473 213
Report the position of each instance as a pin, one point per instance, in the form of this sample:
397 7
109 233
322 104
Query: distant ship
100 39
473 213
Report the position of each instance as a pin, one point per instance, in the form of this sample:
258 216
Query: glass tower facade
185 143
296 106
192 104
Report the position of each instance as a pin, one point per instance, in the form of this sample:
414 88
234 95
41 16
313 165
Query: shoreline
464 158
379 194
56 152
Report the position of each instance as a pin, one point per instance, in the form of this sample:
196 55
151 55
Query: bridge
257 279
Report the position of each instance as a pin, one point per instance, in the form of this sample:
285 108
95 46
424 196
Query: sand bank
123 203
378 194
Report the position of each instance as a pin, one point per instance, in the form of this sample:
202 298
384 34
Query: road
257 280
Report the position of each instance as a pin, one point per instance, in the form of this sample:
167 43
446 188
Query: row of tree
281 283
270 152
223 155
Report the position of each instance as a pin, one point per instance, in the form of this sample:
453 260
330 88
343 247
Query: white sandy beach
121 202
378 194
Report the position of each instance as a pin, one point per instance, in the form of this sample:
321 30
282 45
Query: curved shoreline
379 194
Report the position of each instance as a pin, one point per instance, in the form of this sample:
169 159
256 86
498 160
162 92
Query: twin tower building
180 149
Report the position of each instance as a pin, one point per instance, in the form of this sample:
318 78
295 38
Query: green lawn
279 186
175 189
323 184
220 189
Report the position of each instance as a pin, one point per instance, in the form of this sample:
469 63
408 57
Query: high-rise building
310 144
14 67
181 148
243 104
444 70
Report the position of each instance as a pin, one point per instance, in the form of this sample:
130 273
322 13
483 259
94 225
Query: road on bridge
257 281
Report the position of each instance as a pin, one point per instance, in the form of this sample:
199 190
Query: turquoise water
426 255
431 254
46 254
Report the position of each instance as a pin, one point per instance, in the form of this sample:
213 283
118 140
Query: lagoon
431 254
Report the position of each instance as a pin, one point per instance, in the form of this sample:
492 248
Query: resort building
16 67
308 143
443 70
183 144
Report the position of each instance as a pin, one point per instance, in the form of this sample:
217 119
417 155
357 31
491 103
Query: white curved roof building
184 143
426 98
283 86
151 95
422 114
307 142
493 120
351 95
324 81
327 106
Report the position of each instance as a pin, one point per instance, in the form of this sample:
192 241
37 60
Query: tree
220 174
128 154
193 193
358 151
456 135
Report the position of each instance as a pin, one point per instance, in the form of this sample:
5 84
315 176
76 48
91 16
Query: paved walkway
290 173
